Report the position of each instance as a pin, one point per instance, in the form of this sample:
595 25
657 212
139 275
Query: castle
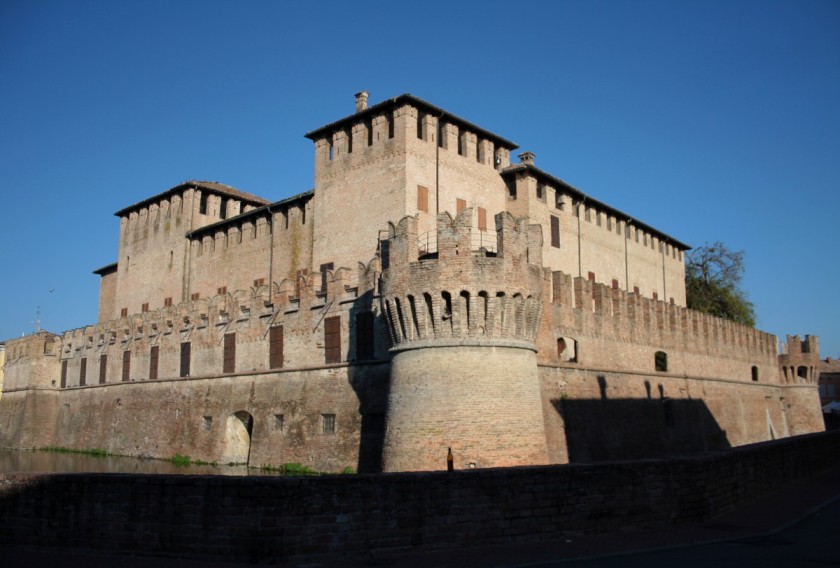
427 294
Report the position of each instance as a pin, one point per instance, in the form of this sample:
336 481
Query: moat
41 461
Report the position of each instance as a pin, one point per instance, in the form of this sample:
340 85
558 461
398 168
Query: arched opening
754 373
802 372
238 429
567 350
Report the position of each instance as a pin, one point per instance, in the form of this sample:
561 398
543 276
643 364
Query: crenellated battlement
799 360
458 292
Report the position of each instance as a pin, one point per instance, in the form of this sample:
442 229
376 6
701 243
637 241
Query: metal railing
427 243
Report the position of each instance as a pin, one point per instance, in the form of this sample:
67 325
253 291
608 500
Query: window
229 360
332 340
660 359
324 268
279 422
460 205
195 296
655 296
421 126
422 198
223 206
364 336
221 290
83 371
154 356
259 282
482 219
755 373
540 191
328 423
558 200
202 204
303 272
555 231
591 276
167 302
103 369
126 366
615 284
145 307
64 374
207 422
275 347
123 312
185 360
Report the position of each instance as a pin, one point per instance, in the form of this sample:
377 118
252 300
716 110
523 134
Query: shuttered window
185 360
154 356
482 219
555 231
126 366
103 369
460 205
422 198
364 336
275 340
332 340
229 364
83 372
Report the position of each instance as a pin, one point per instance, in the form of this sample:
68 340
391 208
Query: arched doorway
238 430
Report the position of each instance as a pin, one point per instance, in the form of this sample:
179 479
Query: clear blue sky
711 120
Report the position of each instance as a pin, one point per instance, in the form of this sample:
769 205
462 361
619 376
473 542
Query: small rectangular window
64 374
324 269
259 282
103 369
482 219
328 423
126 366
221 290
185 360
83 372
144 308
154 356
279 422
229 359
540 191
207 422
555 231
195 296
422 198
167 302
275 341
332 340
591 276
460 205
123 312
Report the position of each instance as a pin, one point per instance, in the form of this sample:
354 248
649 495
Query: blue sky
710 120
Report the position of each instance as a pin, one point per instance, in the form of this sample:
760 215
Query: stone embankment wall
278 518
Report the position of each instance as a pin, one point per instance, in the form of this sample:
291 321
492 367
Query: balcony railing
428 244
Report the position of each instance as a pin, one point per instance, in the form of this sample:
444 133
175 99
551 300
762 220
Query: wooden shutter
364 336
103 369
275 348
83 372
154 356
229 363
460 205
126 366
482 219
555 231
185 359
422 198
332 340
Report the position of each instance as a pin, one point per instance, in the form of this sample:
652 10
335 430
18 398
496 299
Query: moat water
39 461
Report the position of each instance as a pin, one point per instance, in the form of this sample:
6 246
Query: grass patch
95 452
179 460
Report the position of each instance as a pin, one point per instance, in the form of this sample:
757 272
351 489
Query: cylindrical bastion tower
463 318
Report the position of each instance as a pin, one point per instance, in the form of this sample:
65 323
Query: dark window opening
511 188
369 128
103 369
223 206
167 302
207 422
660 359
364 336
755 373
802 372
123 312
390 119
349 135
126 366
275 339
154 355
421 126
229 358
184 370
555 231
324 269
83 372
195 296
202 204
591 277
144 308
279 422
64 374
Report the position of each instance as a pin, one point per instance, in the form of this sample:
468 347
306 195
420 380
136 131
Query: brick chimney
361 100
527 158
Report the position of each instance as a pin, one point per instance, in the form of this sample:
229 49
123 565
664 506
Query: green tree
712 283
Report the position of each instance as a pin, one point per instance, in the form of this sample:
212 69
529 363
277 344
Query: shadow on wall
370 382
607 429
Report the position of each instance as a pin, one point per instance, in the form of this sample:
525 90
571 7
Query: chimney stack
361 101
527 158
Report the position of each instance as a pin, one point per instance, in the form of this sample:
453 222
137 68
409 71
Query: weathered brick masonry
280 518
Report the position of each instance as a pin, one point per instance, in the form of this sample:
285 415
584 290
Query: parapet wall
284 518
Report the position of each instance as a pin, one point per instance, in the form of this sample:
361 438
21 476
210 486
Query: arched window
755 373
661 361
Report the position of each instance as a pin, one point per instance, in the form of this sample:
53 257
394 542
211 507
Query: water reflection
36 461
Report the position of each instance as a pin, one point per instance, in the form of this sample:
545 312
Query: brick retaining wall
258 517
